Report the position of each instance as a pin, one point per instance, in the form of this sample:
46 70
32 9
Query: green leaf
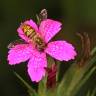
74 76
94 92
31 91
38 19
86 77
93 51
63 86
51 92
88 94
42 87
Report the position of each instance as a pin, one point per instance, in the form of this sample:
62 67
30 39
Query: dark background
76 16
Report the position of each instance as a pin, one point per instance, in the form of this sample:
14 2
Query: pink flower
60 50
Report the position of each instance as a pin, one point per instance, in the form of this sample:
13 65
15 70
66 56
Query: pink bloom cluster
60 50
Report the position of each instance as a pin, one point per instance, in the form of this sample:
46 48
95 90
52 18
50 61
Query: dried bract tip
85 54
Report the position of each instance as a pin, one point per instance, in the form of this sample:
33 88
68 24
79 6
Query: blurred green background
76 16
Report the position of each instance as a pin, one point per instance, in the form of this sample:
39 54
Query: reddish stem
51 78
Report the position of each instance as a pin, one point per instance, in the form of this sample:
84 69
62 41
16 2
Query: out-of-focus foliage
93 93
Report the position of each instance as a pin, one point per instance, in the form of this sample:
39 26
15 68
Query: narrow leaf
77 88
94 92
74 76
42 87
88 94
93 51
26 84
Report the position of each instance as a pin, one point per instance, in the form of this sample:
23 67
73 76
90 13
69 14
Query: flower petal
49 28
36 74
21 33
61 50
19 53
36 66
